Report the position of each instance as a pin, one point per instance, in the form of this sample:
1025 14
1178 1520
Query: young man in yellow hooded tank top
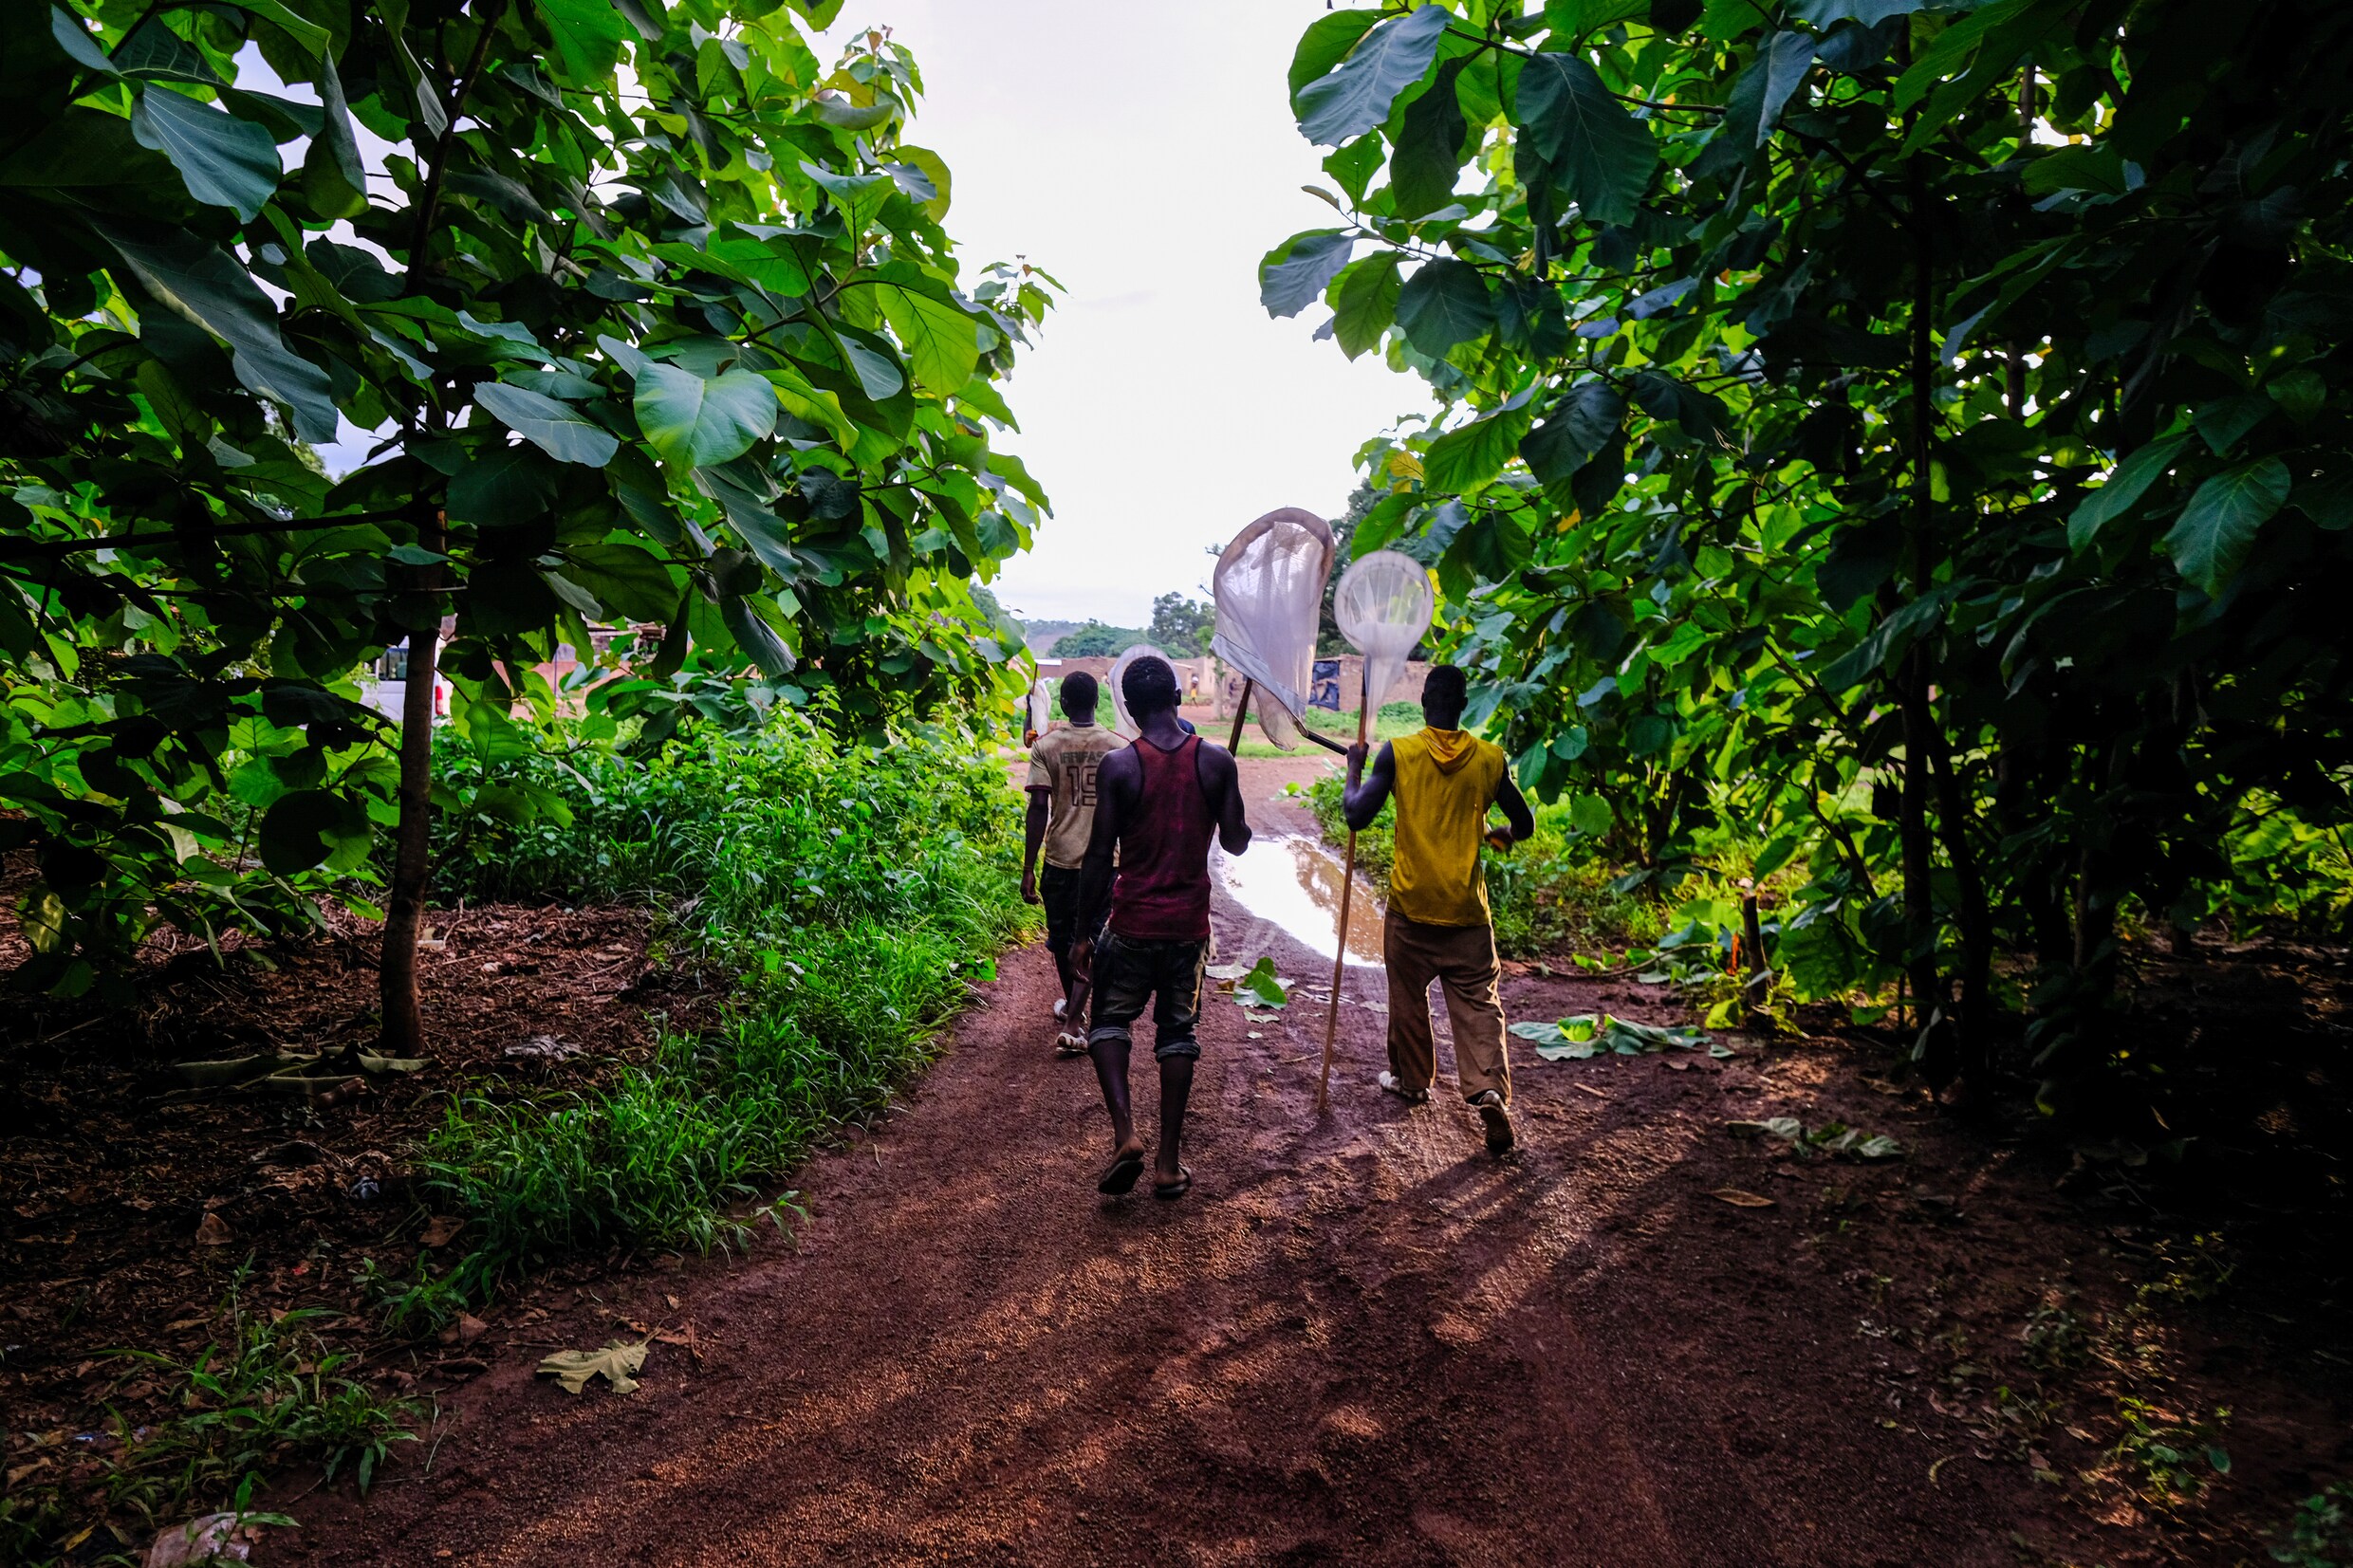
1438 926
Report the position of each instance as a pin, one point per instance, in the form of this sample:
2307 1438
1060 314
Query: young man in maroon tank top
1157 804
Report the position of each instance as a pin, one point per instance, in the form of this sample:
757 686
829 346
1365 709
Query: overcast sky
1146 156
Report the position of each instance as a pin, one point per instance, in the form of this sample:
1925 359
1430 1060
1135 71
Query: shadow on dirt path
1359 1340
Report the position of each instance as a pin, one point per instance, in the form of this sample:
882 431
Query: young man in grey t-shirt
1061 818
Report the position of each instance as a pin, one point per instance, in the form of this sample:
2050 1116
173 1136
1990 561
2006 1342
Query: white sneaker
1390 1084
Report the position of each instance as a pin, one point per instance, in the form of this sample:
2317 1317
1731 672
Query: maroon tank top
1161 894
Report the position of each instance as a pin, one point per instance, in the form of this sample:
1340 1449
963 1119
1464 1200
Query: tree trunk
1953 816
1920 739
2042 909
1919 900
403 1032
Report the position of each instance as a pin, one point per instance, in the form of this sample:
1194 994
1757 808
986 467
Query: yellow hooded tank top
1446 779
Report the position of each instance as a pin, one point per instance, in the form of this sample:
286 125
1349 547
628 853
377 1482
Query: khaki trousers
1462 959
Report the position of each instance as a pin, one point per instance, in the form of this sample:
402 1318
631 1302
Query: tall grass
842 893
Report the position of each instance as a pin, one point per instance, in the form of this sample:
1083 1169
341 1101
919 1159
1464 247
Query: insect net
1041 705
1126 724
1270 591
1382 605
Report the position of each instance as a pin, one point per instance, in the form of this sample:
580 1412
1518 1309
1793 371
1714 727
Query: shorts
1058 890
1127 970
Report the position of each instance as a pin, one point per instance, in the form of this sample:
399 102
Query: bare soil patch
112 1167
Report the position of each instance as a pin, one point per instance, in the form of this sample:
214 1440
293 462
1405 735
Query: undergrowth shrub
842 893
262 1393
1551 893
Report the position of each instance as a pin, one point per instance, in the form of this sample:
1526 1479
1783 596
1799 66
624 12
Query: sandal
1069 1045
1120 1179
1178 1189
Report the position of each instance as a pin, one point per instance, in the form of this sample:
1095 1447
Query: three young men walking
1129 913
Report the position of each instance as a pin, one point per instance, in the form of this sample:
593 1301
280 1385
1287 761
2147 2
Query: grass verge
265 1393
844 895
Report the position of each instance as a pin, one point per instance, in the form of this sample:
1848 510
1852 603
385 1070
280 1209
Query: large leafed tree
643 315
1910 436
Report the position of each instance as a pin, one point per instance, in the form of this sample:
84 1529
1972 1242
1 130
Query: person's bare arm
1033 839
1116 784
1223 780
1520 821
1365 796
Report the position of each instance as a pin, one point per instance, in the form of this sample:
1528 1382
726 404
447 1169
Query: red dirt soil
1358 1340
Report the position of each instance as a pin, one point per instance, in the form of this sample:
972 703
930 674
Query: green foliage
652 318
263 1396
844 892
2321 1535
1834 1138
1182 626
1095 640
1913 439
2170 1457
1588 1035
1265 988
1552 894
1390 720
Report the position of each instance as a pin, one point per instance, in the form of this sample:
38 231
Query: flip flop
1178 1189
1120 1178
1069 1045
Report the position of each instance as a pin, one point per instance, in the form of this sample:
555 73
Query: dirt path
1359 1341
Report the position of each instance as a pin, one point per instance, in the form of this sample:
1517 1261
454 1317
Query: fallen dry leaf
615 1363
1739 1199
465 1330
212 1539
214 1231
440 1230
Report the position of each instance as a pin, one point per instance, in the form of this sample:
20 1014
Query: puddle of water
1293 882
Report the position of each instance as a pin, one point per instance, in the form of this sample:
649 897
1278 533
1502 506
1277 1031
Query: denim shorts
1129 971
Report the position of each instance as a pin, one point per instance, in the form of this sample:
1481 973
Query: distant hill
1041 636
1087 640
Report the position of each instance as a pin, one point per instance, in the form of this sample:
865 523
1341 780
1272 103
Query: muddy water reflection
1293 882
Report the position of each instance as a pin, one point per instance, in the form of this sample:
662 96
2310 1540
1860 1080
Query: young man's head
1079 696
1150 687
1443 693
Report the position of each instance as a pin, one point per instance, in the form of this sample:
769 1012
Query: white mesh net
1041 701
1270 591
1382 605
1125 723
